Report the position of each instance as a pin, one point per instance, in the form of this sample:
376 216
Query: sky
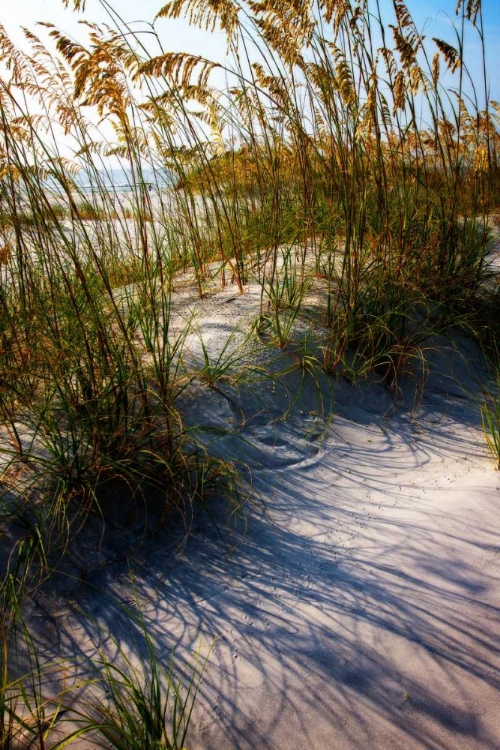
177 35
433 16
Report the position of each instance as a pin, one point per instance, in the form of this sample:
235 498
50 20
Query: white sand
359 608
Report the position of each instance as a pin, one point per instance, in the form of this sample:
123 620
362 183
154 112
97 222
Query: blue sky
433 15
177 35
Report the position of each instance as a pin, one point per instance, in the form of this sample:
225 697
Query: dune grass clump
490 415
120 703
335 157
490 412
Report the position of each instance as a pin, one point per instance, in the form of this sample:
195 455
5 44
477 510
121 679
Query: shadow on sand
360 605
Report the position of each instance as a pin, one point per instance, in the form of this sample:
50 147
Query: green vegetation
490 412
126 706
309 171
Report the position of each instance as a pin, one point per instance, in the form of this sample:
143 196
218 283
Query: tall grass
344 158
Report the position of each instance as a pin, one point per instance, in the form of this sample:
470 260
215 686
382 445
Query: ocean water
120 181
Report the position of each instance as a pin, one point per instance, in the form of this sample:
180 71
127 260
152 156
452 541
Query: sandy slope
359 606
364 612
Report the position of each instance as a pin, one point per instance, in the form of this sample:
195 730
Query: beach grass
344 158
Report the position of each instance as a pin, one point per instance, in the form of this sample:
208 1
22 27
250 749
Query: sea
118 181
